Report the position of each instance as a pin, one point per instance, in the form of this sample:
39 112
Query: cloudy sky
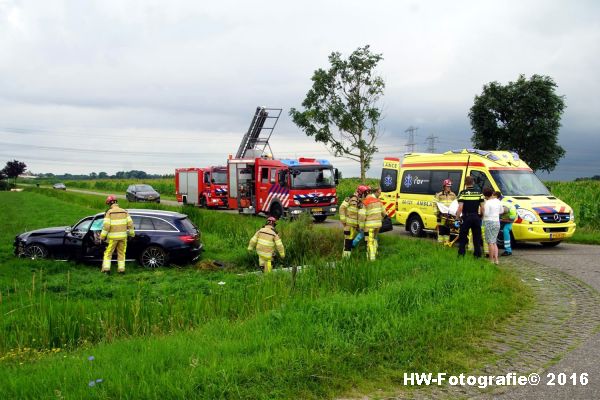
89 86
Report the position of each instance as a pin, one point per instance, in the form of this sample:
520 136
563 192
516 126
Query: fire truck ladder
260 131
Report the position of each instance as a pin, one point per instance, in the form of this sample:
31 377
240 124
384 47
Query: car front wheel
153 257
35 251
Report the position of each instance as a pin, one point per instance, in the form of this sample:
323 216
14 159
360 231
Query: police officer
446 196
470 212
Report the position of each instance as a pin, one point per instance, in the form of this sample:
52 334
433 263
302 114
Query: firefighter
349 219
446 196
266 241
117 226
369 220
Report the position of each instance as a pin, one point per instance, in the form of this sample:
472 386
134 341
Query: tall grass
584 197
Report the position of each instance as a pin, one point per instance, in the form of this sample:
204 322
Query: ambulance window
264 175
389 180
417 182
481 180
273 175
438 177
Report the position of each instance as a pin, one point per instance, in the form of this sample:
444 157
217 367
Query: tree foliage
14 168
523 116
340 109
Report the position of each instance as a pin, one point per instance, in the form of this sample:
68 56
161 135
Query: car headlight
527 215
572 216
333 209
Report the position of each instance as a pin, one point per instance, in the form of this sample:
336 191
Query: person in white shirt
491 221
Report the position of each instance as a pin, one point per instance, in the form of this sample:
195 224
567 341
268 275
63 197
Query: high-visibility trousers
506 228
265 263
485 247
120 245
349 233
372 244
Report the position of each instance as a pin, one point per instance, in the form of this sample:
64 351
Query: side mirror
337 176
68 229
212 180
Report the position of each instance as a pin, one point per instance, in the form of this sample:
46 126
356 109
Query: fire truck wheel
320 218
276 211
203 203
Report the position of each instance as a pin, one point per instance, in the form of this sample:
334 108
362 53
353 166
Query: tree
14 168
523 116
340 109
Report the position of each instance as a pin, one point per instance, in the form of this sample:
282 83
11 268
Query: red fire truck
282 187
260 184
206 187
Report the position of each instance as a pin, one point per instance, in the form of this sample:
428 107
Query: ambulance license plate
557 235
317 210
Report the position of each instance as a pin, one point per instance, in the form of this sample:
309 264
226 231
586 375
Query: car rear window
188 226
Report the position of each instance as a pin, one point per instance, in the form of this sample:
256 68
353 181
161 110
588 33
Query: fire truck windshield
219 177
312 177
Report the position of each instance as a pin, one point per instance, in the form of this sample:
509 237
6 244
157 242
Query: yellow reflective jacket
445 198
117 224
371 213
265 241
349 211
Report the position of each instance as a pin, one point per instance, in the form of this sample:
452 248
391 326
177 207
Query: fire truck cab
283 187
204 187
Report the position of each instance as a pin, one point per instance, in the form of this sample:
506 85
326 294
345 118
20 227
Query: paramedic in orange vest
369 220
266 241
116 227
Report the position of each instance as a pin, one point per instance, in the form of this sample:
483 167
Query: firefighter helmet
447 182
111 199
362 189
271 221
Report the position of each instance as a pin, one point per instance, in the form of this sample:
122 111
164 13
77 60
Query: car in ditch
142 193
161 237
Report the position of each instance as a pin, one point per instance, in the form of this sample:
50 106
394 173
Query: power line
430 140
410 145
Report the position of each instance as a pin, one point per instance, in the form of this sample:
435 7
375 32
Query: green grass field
333 328
584 197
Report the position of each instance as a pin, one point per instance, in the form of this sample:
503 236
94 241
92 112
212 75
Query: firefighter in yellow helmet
369 220
117 226
349 218
266 241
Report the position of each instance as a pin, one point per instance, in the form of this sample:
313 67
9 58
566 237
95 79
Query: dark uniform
471 199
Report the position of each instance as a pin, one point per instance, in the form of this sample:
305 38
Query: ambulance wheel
550 244
276 211
415 226
500 240
320 218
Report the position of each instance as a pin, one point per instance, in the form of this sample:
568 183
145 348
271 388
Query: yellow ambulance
408 190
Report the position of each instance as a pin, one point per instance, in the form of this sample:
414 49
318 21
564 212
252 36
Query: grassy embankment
164 186
584 197
178 333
